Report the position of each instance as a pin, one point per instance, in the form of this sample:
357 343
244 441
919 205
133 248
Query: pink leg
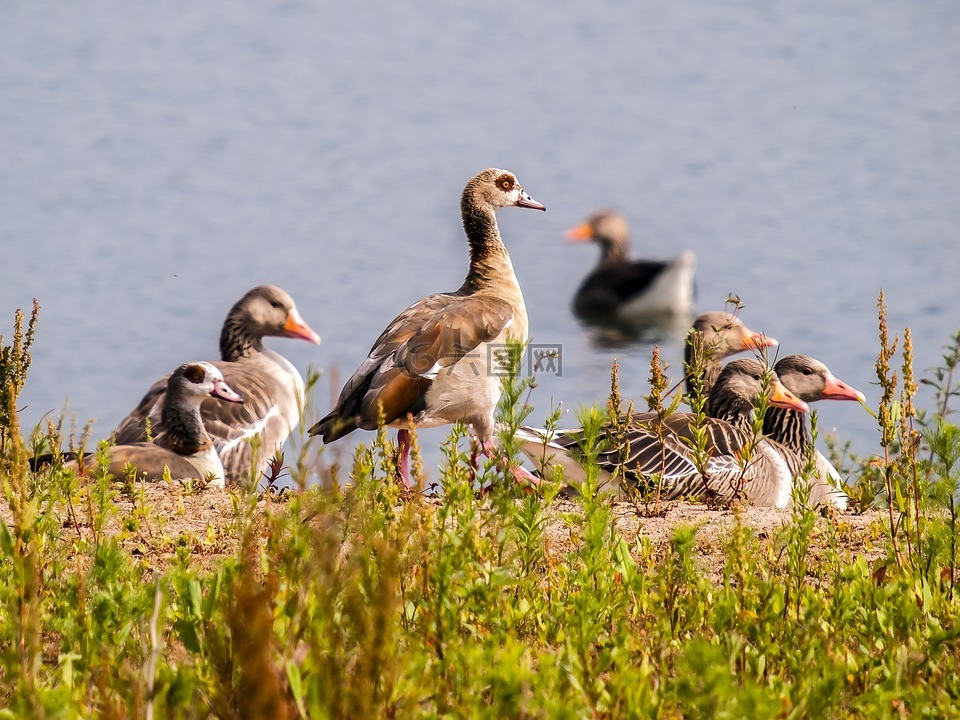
488 448
521 475
474 458
474 453
403 464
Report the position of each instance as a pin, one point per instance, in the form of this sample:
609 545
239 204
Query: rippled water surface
156 161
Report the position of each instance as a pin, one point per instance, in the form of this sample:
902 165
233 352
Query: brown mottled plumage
640 453
433 361
271 385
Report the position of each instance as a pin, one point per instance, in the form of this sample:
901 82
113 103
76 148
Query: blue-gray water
160 159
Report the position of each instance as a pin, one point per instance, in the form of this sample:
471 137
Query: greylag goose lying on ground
270 385
639 455
183 447
717 336
434 362
622 288
810 380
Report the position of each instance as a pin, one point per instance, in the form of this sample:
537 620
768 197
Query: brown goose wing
643 452
133 428
765 477
430 336
650 449
639 453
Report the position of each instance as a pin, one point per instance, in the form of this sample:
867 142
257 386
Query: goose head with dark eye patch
195 374
201 380
495 189
811 380
269 311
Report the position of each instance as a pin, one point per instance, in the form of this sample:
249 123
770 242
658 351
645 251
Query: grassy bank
362 600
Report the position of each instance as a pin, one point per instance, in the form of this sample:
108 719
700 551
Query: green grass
366 601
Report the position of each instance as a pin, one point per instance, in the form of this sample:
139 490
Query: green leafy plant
362 599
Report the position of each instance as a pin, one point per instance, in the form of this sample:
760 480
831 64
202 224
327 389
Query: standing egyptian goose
183 448
717 336
640 454
621 288
434 362
810 380
270 385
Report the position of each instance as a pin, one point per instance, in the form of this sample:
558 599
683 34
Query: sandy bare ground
856 534
173 519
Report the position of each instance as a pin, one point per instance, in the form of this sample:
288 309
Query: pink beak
225 392
526 201
838 390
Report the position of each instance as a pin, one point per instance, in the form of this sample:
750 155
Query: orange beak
580 233
782 398
295 327
754 341
838 390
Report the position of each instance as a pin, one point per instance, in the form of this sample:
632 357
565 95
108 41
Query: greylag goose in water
271 386
810 380
183 448
620 288
717 336
640 454
435 361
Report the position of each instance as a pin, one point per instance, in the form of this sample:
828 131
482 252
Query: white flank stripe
251 430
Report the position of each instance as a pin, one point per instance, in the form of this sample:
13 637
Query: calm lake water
159 160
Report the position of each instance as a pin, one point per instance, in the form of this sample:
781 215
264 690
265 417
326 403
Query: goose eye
506 183
807 371
195 374
276 304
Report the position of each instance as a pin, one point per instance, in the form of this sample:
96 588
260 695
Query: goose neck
694 351
183 428
612 252
490 263
732 409
787 427
236 341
